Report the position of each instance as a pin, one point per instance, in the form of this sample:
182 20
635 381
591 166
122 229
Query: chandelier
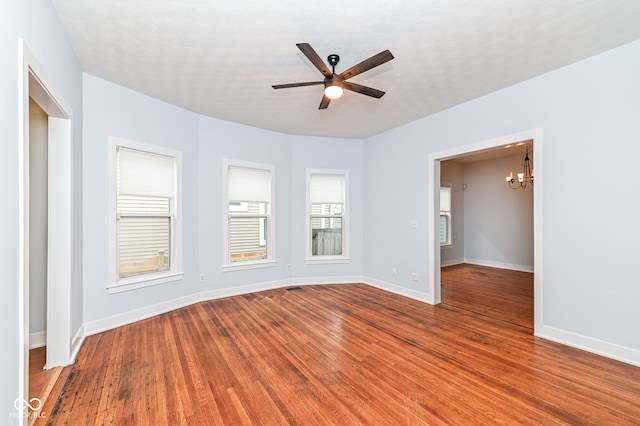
527 172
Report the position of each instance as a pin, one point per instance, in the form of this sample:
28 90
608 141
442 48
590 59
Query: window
145 226
248 216
327 218
445 214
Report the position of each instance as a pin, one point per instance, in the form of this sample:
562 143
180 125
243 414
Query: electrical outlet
414 276
394 272
413 224
289 268
202 277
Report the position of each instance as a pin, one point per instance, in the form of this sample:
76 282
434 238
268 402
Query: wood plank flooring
37 373
41 381
497 293
337 355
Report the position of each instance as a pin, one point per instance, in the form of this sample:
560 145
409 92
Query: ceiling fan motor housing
333 60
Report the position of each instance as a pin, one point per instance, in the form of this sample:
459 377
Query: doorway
52 252
434 259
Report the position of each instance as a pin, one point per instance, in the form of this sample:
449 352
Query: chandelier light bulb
526 176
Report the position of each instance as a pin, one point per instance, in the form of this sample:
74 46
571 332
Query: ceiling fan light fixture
336 84
333 89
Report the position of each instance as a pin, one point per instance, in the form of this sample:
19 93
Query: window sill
446 246
241 266
133 283
322 260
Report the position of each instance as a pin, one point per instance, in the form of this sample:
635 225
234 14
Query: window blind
328 189
145 174
445 199
245 184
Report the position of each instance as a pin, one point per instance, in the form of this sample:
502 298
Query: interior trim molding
451 262
76 342
590 344
118 320
240 290
354 279
396 289
37 339
501 265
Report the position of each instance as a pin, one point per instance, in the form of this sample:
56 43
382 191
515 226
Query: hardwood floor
37 373
41 381
337 354
497 293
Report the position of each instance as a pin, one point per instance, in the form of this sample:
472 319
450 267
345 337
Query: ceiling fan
335 83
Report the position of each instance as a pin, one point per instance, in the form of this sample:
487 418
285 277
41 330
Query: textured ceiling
220 58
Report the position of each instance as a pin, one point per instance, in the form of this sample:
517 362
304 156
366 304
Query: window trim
449 242
118 285
270 261
327 259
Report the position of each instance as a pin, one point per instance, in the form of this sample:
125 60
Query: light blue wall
326 153
498 220
395 193
205 142
219 140
589 115
112 110
34 21
452 172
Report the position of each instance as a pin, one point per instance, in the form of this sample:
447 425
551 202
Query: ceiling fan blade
286 86
324 103
369 91
367 64
314 58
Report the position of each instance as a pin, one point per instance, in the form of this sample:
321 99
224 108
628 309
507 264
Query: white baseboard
501 265
402 291
270 285
245 289
37 340
589 344
354 279
104 324
451 262
76 343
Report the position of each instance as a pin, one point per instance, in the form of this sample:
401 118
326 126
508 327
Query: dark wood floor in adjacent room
343 355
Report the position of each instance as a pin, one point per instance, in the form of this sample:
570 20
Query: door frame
434 206
34 83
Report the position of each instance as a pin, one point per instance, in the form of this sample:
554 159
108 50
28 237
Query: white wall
34 21
498 220
589 116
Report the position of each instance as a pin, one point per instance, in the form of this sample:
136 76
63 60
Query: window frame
311 259
175 272
269 216
448 243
